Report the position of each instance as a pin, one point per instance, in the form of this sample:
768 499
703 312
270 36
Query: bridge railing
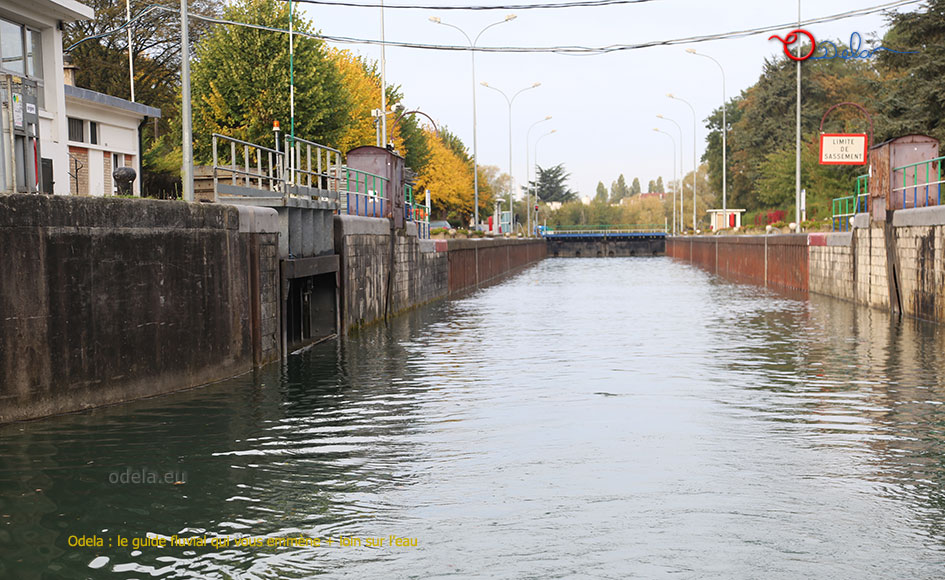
252 166
313 165
604 229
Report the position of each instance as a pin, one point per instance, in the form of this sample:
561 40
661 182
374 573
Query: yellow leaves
364 89
448 178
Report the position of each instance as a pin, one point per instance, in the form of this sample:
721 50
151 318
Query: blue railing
365 194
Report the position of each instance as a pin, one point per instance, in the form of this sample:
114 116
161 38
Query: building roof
68 10
103 99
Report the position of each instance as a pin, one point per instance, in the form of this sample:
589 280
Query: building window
93 132
34 54
11 47
75 130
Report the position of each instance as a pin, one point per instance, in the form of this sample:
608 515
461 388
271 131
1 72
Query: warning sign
843 148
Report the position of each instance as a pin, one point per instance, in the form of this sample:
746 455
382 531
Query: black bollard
124 176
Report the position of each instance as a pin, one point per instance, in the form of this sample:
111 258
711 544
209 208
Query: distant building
730 218
103 134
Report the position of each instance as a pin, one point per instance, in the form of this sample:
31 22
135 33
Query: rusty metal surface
742 258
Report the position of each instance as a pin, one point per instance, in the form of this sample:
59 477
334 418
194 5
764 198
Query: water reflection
610 418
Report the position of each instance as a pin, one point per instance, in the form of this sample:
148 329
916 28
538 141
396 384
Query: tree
619 190
416 146
448 176
651 186
911 88
635 186
240 81
660 188
551 184
103 62
761 119
601 192
362 84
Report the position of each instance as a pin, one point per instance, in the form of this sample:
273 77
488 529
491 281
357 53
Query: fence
603 229
918 187
845 208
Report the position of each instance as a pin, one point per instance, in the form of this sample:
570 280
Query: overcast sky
603 107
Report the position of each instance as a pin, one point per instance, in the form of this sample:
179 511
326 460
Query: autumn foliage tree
448 175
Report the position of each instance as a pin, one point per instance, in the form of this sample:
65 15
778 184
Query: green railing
846 207
417 213
365 193
921 184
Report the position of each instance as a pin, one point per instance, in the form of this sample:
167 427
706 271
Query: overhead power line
567 50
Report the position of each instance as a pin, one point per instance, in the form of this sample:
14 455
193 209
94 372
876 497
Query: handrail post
215 200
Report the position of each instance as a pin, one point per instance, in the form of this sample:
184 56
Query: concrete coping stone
352 225
427 246
258 220
861 221
840 239
920 216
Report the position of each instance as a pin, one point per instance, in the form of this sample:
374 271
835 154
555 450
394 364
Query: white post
383 82
131 63
187 134
797 156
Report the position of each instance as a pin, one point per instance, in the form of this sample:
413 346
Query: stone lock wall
108 300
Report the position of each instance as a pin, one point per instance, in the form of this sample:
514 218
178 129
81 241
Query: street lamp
537 141
510 101
472 52
679 181
724 131
673 139
695 164
528 173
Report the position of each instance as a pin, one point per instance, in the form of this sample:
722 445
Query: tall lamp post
673 139
679 181
472 52
510 101
695 162
724 131
537 141
528 173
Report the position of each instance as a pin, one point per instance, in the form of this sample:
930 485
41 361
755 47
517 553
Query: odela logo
830 49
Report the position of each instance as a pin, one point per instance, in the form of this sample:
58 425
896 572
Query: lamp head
660 117
691 51
553 131
536 85
670 95
655 129
548 118
484 83
510 17
436 19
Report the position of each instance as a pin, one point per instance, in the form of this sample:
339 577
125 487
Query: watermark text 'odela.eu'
146 475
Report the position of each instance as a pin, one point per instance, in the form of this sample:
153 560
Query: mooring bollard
124 177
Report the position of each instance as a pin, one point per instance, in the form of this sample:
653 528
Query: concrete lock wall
108 300
899 271
423 270
606 247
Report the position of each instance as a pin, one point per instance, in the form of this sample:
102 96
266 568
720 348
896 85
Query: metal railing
417 213
846 207
249 165
313 165
365 193
604 229
921 184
